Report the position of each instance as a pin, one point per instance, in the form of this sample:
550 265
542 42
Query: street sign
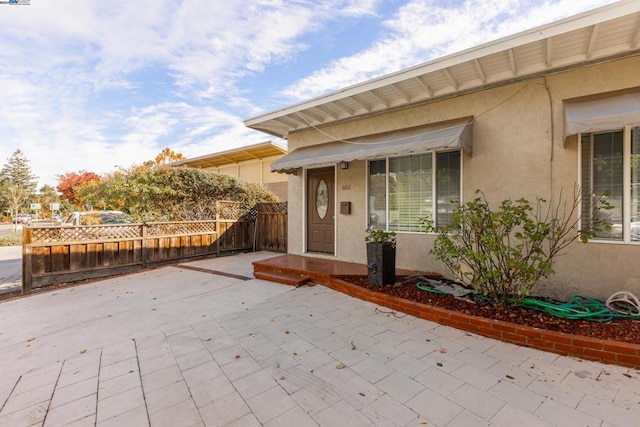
35 206
54 206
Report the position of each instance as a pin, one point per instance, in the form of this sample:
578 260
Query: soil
623 330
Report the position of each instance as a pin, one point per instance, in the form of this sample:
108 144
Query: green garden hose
426 286
579 308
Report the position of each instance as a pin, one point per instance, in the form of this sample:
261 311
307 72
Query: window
611 172
404 190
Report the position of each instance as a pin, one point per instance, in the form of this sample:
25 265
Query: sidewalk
10 269
205 344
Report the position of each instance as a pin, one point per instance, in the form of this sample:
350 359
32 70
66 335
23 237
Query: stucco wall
255 171
518 151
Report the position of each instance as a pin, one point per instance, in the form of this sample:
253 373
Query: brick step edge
595 349
282 278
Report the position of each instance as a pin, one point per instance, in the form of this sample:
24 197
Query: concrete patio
204 343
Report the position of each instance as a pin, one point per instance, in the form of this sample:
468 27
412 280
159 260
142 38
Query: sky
97 85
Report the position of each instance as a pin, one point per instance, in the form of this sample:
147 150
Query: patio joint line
10 393
55 386
144 395
216 272
95 416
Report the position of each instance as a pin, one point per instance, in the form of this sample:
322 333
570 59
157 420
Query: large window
405 190
611 173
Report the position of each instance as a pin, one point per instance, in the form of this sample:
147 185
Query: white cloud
73 97
423 30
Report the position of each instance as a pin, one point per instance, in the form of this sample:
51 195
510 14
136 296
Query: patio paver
176 346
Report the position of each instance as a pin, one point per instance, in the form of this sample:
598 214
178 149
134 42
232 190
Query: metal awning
419 140
608 113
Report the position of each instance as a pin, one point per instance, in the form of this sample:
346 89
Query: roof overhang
599 35
448 135
247 153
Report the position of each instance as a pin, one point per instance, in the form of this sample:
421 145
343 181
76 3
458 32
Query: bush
503 254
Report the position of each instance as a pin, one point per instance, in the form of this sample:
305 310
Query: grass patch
14 239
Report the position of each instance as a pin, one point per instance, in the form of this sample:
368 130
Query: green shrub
504 253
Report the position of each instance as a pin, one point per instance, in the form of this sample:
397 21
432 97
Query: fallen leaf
31 339
83 351
281 378
362 394
341 366
295 354
286 332
353 346
237 356
510 377
442 350
439 364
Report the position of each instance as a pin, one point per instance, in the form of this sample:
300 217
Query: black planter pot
381 263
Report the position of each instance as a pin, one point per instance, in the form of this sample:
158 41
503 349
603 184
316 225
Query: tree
69 183
165 157
18 183
161 193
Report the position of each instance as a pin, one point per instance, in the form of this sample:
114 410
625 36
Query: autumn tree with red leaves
71 181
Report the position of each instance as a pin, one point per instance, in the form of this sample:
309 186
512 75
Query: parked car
22 219
97 218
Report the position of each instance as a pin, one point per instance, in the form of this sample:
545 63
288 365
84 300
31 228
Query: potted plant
381 256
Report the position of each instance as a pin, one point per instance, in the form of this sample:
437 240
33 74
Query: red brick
428 316
569 349
587 342
482 322
540 343
557 337
461 318
621 347
489 332
529 332
503 326
602 355
440 312
514 338
630 360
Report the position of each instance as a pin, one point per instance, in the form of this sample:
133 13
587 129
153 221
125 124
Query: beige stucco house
251 163
531 115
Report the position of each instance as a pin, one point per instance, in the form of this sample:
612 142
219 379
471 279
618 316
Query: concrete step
284 278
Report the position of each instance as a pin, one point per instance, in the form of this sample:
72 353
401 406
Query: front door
320 210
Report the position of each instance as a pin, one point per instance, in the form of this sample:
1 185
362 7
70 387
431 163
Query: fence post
217 228
144 245
27 271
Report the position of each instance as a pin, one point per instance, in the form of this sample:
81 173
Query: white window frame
626 184
433 183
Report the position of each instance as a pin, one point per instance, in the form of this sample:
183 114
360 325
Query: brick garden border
605 351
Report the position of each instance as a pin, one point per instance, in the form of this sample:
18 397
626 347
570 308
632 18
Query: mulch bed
623 330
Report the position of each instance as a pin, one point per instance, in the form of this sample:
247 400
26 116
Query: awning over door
610 113
404 142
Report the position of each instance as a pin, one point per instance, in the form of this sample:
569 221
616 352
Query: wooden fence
69 254
271 225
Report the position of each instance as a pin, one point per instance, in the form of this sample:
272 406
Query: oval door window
322 199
